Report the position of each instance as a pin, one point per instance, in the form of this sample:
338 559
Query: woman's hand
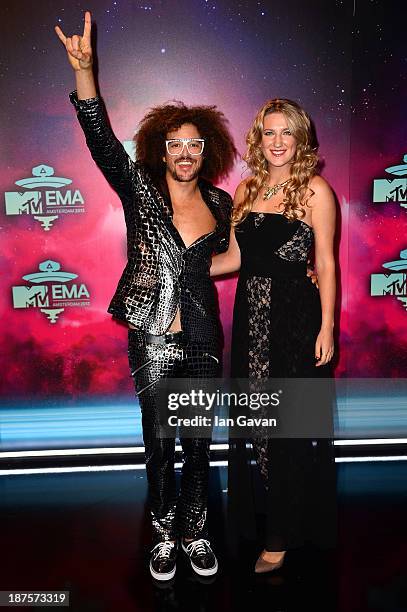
324 347
78 48
312 274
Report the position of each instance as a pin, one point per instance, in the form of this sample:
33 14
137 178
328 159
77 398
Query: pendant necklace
271 191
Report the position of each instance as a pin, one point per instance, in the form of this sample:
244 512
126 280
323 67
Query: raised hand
78 48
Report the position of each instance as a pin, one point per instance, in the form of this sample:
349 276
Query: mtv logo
27 203
388 284
52 313
30 297
43 170
390 190
130 148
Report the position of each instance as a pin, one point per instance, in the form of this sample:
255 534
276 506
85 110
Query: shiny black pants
173 514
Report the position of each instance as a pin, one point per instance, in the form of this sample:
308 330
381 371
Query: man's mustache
184 159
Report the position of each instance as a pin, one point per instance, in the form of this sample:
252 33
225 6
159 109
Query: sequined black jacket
161 273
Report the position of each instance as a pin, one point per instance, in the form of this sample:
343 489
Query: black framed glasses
176 146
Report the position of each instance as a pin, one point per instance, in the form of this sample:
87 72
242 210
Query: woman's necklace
271 191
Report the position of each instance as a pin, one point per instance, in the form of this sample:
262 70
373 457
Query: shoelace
198 547
163 549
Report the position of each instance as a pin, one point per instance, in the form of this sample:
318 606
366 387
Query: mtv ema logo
392 189
44 205
393 283
50 290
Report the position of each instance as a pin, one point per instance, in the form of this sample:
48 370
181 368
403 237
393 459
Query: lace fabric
277 317
298 248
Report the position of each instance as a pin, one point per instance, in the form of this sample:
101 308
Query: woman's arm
229 262
323 216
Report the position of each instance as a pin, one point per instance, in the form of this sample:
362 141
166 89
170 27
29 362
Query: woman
282 327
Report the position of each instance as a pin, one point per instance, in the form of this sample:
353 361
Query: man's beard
188 179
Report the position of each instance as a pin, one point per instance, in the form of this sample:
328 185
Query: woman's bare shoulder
319 185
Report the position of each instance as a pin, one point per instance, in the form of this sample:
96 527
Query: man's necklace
271 191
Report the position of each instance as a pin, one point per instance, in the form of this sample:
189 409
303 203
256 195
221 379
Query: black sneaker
201 555
162 562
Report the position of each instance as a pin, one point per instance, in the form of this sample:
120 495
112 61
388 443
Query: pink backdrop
225 55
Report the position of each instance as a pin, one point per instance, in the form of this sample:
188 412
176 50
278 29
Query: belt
170 338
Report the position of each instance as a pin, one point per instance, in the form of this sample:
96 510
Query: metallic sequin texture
182 513
161 274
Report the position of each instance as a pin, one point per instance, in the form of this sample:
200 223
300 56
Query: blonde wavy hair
297 192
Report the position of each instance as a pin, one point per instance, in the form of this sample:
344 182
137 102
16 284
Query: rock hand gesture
79 50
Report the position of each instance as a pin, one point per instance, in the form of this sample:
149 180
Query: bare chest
192 220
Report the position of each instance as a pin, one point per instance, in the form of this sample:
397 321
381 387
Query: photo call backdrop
64 374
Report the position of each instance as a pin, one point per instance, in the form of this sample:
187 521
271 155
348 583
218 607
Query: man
175 221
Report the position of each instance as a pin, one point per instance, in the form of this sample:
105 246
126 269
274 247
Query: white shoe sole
201 572
162 577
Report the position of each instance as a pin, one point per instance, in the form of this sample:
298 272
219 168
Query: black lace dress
289 483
